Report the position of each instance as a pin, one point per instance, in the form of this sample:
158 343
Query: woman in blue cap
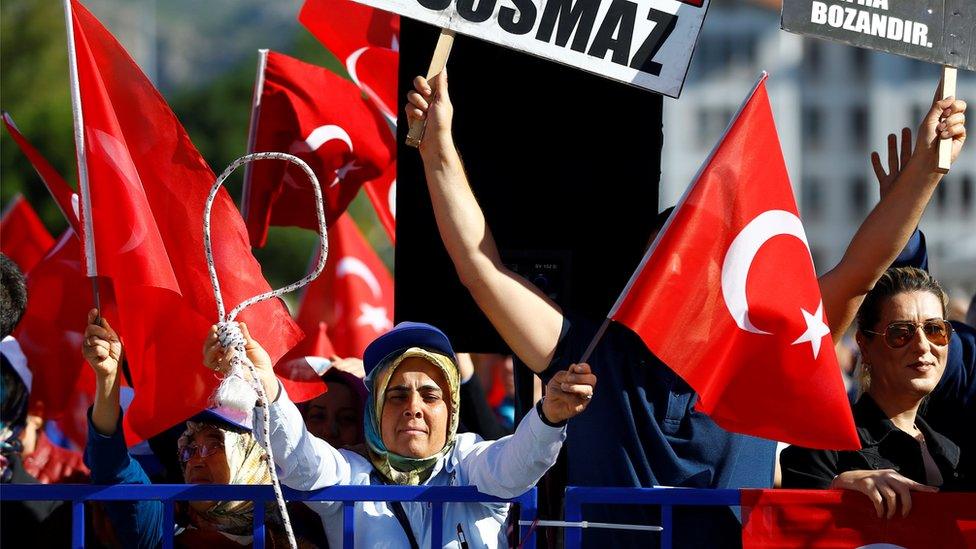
411 421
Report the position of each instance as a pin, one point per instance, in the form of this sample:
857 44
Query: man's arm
891 223
528 321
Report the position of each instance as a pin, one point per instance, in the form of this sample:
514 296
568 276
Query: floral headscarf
247 465
394 467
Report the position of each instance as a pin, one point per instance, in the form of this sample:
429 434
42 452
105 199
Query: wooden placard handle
437 63
945 145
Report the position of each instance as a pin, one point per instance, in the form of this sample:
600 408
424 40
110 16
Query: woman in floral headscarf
217 447
411 420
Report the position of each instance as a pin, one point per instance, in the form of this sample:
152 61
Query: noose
235 391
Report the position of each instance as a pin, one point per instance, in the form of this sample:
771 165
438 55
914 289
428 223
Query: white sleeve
509 466
305 462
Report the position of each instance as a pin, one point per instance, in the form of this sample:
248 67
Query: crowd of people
412 411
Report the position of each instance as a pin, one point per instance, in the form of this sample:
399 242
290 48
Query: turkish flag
300 370
382 194
354 295
324 120
845 518
23 237
343 26
59 295
148 186
63 195
374 70
728 298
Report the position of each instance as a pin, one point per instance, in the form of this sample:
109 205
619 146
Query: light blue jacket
504 468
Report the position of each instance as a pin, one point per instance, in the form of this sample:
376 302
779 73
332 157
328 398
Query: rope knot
230 336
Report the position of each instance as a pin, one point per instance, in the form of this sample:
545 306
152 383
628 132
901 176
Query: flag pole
91 265
252 130
667 223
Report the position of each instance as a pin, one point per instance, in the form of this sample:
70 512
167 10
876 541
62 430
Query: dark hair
13 296
893 282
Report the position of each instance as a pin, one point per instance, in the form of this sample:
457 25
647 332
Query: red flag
374 70
148 188
343 26
354 295
65 198
382 194
730 301
844 518
59 296
323 119
23 237
300 369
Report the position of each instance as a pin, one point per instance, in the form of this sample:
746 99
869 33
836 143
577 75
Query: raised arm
304 461
528 321
888 227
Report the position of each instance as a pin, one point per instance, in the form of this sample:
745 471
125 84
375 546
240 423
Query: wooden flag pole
437 63
945 145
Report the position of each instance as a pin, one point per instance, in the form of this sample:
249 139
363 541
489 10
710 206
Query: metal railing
667 498
169 494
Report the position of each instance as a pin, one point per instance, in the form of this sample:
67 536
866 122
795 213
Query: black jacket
883 446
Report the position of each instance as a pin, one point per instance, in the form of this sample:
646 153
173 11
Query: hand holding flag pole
437 63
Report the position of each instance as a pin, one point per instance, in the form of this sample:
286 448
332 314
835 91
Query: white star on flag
344 170
374 317
816 330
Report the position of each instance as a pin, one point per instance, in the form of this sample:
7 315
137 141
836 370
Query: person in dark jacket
904 340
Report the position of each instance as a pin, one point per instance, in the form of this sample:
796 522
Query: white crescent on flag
320 136
355 266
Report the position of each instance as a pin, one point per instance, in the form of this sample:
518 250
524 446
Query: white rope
235 391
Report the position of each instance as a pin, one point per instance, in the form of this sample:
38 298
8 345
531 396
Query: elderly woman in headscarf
904 340
216 447
411 421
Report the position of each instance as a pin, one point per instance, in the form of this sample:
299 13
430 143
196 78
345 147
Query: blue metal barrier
78 494
577 496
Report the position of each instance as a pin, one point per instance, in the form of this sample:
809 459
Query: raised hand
568 393
101 346
896 161
217 358
430 100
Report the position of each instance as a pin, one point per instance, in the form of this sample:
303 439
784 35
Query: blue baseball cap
404 336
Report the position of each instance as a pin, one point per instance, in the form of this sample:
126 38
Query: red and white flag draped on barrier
366 40
728 298
354 295
23 237
148 186
323 119
828 518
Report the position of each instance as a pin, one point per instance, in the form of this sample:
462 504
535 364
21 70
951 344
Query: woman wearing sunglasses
904 341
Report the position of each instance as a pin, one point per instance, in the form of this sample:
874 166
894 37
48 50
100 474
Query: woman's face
416 410
209 469
336 416
915 369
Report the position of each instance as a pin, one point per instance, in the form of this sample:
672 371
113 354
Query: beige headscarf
394 467
247 465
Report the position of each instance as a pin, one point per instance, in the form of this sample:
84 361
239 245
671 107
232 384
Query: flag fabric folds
354 295
148 185
845 518
382 194
728 297
23 237
324 120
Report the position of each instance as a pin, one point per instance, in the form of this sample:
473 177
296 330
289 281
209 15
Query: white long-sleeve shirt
504 468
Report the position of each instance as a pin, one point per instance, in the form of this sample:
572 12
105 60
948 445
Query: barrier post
168 519
667 516
436 525
573 512
348 524
258 524
77 524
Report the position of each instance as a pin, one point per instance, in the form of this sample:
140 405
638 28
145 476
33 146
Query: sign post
938 31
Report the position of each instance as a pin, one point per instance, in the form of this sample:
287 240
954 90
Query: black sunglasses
900 333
